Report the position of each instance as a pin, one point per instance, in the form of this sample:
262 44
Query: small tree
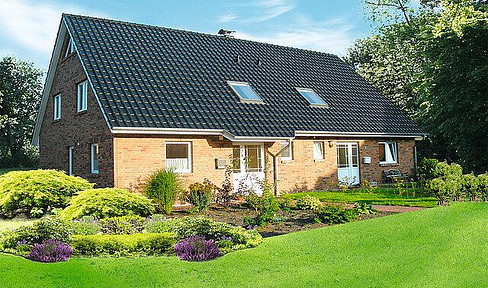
438 188
469 187
163 187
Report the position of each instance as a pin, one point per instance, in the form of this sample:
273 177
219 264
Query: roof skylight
244 91
312 97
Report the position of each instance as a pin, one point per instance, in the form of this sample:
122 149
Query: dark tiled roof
147 76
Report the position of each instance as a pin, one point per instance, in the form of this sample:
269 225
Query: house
122 100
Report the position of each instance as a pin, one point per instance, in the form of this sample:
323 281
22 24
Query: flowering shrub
309 203
196 248
200 194
50 251
87 225
122 225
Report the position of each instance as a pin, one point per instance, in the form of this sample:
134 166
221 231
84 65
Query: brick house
122 100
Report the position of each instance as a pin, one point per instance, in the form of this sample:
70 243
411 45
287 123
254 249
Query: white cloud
227 18
331 36
272 9
32 25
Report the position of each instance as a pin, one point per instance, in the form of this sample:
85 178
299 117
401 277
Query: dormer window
312 97
70 49
245 92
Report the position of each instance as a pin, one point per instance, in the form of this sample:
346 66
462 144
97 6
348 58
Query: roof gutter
417 136
186 131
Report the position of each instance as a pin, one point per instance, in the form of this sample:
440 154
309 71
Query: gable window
57 107
388 152
312 97
245 92
82 97
287 153
95 156
178 156
318 150
70 49
70 160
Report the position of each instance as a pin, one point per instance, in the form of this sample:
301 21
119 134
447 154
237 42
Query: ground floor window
178 156
318 150
388 152
286 154
94 158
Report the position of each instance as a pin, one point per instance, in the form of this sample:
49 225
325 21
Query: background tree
430 59
20 92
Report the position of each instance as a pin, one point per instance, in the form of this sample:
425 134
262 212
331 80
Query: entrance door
248 162
348 163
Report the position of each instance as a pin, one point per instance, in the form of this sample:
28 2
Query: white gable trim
55 58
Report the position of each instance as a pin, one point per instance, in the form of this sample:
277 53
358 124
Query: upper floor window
82 98
70 49
95 156
312 97
245 92
318 150
287 153
57 107
388 152
178 156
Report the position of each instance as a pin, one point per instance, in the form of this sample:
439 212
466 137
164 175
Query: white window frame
323 104
70 48
189 154
290 147
57 107
70 160
231 83
92 160
388 152
82 96
319 157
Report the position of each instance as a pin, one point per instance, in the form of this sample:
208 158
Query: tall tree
20 91
433 64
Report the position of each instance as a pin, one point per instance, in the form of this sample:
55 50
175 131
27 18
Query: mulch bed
291 221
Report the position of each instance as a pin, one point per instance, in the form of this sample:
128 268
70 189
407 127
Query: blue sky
28 27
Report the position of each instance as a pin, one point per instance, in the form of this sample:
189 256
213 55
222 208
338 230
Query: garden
50 216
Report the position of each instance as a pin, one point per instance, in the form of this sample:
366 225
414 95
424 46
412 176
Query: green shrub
266 205
364 208
332 214
201 194
437 187
453 186
37 192
123 245
309 203
107 202
87 225
163 187
218 231
123 225
469 187
44 229
483 186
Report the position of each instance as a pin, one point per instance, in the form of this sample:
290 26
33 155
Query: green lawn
384 196
440 247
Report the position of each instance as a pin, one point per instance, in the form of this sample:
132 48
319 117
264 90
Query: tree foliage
20 91
432 63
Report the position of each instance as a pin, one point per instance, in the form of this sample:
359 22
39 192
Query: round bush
196 248
309 203
37 192
107 202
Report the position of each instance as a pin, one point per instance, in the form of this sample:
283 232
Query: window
94 158
245 92
388 152
247 158
81 99
70 160
312 97
70 49
178 156
318 150
287 153
57 107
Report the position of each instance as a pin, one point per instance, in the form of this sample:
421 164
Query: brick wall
136 157
77 130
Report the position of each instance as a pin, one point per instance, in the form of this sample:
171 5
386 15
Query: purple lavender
196 248
50 251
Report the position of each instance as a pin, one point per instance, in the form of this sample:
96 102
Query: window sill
318 160
388 163
56 121
95 175
286 160
81 112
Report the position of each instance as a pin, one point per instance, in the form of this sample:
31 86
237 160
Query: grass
383 196
440 247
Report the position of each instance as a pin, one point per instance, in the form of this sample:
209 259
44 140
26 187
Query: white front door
248 162
348 163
